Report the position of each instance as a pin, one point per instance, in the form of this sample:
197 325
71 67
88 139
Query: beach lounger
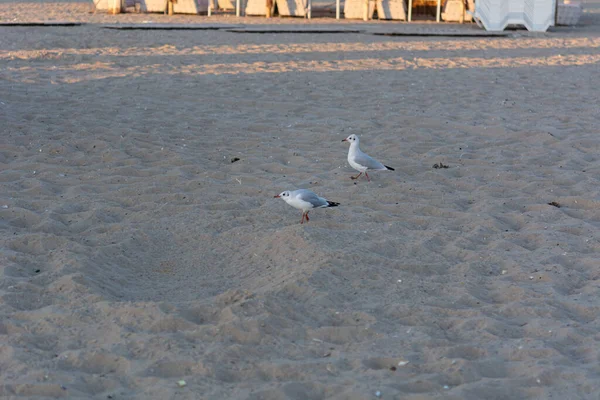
355 9
292 8
457 10
391 9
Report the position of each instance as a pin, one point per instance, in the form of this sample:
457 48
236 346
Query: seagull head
351 139
283 195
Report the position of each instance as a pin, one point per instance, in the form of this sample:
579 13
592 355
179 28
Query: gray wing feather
367 161
312 198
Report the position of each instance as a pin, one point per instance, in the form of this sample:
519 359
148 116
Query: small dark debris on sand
440 165
234 159
554 203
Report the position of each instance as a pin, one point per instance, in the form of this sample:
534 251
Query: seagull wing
367 161
312 198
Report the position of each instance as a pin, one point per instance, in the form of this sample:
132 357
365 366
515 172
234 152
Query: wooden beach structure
492 15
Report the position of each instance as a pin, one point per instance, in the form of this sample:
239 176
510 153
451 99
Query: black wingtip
390 168
332 204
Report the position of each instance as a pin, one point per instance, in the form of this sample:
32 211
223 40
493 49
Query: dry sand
135 253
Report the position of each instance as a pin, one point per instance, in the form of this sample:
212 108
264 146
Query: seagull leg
306 215
367 175
356 177
302 219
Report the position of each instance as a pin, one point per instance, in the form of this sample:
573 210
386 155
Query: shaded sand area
135 253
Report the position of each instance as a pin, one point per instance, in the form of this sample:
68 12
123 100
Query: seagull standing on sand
305 200
360 161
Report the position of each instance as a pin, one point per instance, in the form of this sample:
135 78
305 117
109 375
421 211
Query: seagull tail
332 204
389 168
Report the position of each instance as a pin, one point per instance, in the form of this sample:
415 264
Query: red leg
302 219
367 175
306 215
356 177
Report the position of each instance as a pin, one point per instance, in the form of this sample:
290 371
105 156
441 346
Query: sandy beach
143 255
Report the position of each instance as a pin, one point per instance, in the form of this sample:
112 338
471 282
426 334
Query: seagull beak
344 140
278 196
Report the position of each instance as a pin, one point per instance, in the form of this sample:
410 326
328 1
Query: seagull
360 161
305 200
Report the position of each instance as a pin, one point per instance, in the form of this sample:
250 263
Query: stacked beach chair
157 6
391 9
386 9
456 10
255 7
190 6
292 8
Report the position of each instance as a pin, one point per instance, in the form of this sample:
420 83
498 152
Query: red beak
278 196
344 140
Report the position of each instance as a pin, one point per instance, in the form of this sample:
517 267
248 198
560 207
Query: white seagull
360 161
305 200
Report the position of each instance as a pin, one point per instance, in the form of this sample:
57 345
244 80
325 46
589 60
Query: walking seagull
305 200
360 161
